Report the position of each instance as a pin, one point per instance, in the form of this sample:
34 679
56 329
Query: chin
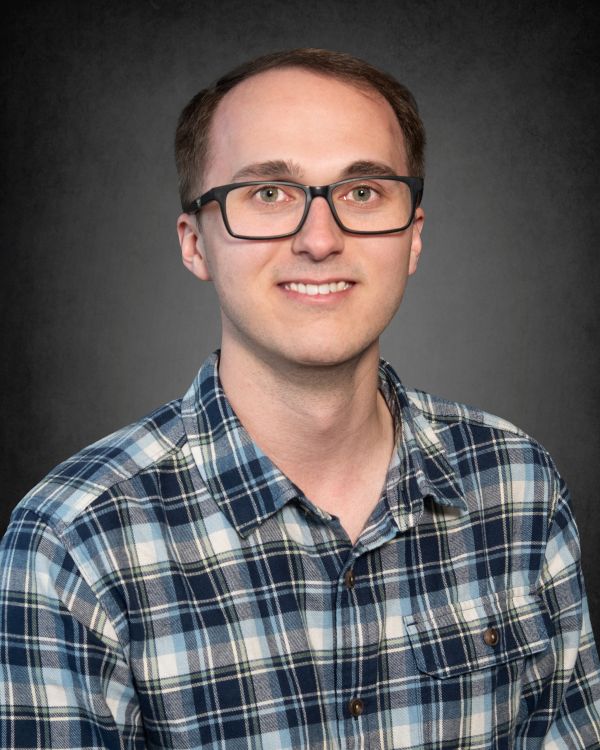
329 355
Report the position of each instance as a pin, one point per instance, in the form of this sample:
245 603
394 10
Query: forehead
317 121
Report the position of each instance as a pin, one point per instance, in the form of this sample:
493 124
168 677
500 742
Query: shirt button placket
349 669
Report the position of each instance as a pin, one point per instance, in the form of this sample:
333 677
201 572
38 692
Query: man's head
320 292
192 140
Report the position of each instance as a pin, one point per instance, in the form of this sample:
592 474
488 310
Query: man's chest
299 640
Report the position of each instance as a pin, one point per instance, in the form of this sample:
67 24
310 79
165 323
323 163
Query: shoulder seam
462 413
60 527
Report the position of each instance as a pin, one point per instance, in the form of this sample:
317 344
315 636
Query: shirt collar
421 468
249 488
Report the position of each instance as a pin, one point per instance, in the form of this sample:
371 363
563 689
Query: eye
270 194
361 194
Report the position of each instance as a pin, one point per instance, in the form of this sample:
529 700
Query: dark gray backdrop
100 323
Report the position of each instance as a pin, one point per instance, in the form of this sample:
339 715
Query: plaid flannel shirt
169 587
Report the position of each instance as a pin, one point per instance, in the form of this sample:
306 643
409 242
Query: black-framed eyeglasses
269 210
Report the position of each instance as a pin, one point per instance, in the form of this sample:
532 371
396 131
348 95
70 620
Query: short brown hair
193 127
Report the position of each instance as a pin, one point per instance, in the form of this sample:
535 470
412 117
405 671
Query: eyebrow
272 170
279 169
367 168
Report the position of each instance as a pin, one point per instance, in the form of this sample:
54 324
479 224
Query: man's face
318 127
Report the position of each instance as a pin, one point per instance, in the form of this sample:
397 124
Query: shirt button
356 707
491 636
350 578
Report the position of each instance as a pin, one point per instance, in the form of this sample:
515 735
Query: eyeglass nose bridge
318 191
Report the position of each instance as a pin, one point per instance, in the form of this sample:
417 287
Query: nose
320 236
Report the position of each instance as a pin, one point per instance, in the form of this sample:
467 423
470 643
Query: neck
313 422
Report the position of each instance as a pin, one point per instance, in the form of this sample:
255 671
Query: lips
313 289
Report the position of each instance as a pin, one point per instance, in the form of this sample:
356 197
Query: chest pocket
478 634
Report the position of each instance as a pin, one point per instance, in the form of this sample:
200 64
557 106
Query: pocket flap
479 633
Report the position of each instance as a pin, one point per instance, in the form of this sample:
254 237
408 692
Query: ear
192 248
416 244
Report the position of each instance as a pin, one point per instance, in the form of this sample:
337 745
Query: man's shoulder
438 409
468 431
74 484
487 453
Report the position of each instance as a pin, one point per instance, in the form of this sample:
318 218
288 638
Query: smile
314 289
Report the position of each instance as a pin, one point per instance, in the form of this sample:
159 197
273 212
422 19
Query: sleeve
560 707
64 679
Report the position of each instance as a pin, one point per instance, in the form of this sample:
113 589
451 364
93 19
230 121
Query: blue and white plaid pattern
169 587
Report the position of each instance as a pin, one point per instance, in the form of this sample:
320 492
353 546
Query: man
300 553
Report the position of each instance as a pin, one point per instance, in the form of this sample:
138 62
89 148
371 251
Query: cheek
392 271
393 262
239 271
225 256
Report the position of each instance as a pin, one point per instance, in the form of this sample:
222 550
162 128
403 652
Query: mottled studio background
100 322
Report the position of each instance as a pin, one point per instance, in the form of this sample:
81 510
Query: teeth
313 289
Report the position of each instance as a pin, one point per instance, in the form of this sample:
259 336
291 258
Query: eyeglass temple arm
197 203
